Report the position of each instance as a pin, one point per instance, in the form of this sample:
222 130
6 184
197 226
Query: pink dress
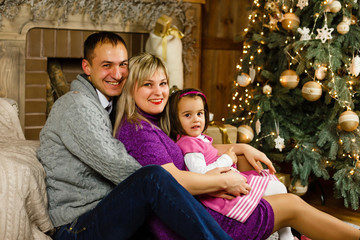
239 208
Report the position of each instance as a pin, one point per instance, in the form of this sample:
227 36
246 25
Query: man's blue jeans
150 190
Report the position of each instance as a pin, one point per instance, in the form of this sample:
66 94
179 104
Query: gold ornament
334 7
245 134
320 72
343 28
311 91
357 164
290 21
243 80
353 19
297 188
289 79
349 121
267 89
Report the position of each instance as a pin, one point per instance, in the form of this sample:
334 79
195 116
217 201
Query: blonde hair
141 68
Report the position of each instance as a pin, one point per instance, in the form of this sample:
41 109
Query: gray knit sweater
83 162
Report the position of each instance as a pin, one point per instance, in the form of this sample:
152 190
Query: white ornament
258 126
252 73
324 33
270 6
320 72
267 89
243 80
302 3
279 143
304 33
346 20
354 67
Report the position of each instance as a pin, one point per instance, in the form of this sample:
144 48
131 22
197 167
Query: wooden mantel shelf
196 1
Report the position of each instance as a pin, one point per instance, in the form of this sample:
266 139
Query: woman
140 106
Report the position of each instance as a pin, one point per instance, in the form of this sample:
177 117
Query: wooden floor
332 206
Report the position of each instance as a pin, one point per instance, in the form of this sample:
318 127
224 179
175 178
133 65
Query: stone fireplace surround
25 47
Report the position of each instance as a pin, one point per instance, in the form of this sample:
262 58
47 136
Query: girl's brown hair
172 126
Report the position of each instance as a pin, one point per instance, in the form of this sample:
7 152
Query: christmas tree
297 89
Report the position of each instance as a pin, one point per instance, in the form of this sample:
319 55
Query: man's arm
87 134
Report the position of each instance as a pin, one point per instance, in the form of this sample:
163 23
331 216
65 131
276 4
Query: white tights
276 187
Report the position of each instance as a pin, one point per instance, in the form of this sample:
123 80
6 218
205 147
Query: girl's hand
231 154
253 156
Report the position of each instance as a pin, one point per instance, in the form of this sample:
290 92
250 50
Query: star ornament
324 33
302 3
279 143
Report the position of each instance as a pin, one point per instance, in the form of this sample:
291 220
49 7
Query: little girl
189 118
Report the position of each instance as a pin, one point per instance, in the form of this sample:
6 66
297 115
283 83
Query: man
95 189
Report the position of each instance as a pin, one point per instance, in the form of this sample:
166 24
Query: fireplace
26 46
45 46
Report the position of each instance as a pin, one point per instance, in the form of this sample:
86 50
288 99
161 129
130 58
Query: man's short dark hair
100 38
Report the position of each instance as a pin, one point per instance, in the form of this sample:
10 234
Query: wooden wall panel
217 79
223 21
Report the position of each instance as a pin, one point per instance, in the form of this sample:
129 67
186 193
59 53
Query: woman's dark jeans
150 190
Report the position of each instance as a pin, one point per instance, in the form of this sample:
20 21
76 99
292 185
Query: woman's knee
288 202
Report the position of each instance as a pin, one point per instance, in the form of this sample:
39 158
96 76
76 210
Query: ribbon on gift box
171 31
223 131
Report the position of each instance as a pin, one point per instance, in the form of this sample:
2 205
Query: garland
141 12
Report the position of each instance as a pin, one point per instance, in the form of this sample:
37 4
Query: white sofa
23 199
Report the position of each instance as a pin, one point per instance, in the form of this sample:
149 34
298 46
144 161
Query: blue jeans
150 190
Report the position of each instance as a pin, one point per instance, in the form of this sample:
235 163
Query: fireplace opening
61 71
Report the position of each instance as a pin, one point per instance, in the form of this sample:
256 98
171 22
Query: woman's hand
236 183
